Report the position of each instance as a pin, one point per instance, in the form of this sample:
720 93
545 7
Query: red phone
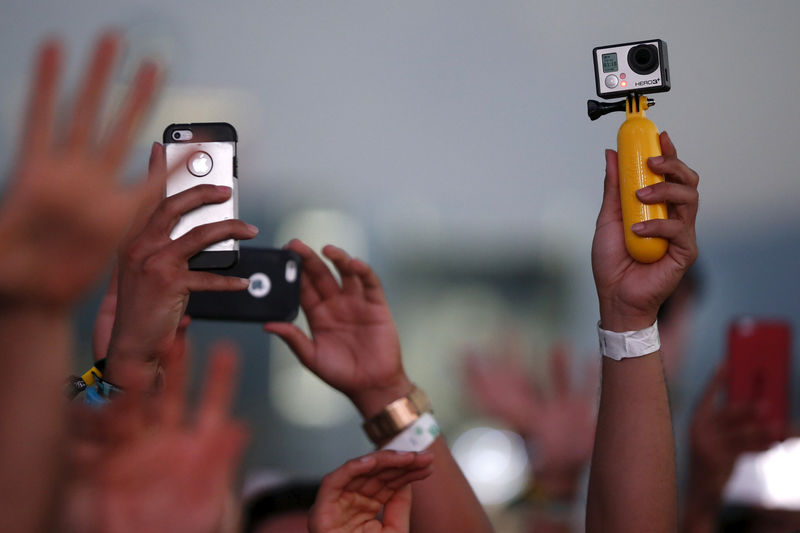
759 353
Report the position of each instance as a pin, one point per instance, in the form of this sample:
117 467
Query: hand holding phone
211 151
272 296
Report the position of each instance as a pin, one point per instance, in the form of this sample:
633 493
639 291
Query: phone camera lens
176 135
200 164
643 58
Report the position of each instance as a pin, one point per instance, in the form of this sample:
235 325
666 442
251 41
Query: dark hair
292 497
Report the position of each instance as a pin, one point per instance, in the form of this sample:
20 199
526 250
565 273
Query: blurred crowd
131 453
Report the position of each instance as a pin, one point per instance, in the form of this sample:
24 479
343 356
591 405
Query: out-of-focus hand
65 209
630 293
502 386
558 423
154 276
719 434
140 465
354 346
351 497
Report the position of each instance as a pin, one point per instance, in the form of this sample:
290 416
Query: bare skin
351 498
140 465
632 485
355 348
63 215
719 434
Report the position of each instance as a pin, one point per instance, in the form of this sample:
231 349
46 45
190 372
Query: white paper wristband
625 344
417 437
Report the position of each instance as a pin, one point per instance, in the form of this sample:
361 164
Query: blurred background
446 142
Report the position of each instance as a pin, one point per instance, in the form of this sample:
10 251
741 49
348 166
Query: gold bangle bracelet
397 416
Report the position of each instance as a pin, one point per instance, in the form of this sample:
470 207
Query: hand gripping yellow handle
638 140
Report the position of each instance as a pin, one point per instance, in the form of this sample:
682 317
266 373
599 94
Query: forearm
632 480
34 365
445 501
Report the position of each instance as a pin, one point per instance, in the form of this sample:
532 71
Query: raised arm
154 279
632 483
355 349
61 219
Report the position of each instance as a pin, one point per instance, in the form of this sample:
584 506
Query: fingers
295 338
397 511
40 121
171 209
683 197
309 297
680 236
336 481
207 281
215 404
611 209
673 230
370 473
154 185
670 166
203 236
390 474
315 270
351 282
373 291
90 98
136 105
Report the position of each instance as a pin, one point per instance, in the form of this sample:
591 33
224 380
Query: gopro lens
643 58
200 164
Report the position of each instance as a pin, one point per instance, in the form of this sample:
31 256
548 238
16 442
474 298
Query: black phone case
273 295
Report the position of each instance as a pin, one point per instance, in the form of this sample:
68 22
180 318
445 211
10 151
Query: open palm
66 209
351 497
354 344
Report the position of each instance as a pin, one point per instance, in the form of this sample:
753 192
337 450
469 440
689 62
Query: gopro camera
639 67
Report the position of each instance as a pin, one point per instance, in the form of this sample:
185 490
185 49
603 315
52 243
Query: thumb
611 210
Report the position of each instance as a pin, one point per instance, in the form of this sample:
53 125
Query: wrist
371 401
619 317
128 365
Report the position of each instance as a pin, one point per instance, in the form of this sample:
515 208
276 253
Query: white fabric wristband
625 344
417 437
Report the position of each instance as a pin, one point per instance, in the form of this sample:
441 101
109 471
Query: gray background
453 136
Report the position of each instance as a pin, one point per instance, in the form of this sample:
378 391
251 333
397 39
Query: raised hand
634 409
351 497
154 276
558 421
501 386
66 210
719 434
632 292
354 346
142 466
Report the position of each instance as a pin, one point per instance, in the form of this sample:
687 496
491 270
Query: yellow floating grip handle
636 142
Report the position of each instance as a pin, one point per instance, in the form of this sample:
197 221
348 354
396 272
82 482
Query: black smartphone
211 151
273 294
